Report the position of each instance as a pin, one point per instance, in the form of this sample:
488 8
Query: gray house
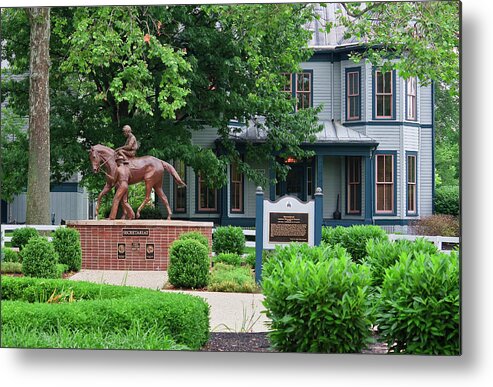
374 156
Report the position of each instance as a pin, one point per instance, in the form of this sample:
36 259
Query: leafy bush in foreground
353 238
418 310
66 242
318 301
21 236
39 259
227 278
228 239
189 264
196 235
103 309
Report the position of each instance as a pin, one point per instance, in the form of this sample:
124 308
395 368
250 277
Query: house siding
321 81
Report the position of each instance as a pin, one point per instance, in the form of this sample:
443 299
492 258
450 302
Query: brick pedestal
131 245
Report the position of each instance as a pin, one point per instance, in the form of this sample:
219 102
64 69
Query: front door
295 182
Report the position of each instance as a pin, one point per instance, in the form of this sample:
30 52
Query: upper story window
384 94
411 98
353 91
385 184
299 86
180 193
236 188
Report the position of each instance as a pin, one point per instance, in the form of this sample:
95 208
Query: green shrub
447 200
189 264
9 255
382 254
250 260
196 235
317 302
150 212
227 278
419 305
11 267
353 238
66 242
39 259
21 236
228 259
228 240
443 225
60 269
103 309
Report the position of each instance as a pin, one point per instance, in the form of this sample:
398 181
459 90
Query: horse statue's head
95 159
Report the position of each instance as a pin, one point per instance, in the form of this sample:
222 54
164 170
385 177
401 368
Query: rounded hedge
447 200
317 302
196 235
66 242
21 236
39 259
9 255
353 238
228 259
188 264
418 308
228 239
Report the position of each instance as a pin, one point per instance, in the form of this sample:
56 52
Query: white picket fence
12 227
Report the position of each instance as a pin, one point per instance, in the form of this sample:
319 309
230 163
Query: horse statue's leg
159 191
107 187
146 200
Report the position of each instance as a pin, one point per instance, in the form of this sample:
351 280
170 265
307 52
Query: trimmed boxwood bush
317 301
196 235
188 264
228 239
382 254
228 259
353 238
21 236
447 200
9 255
418 309
103 308
66 242
228 278
39 259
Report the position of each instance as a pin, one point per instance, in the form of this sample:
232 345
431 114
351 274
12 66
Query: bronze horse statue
147 168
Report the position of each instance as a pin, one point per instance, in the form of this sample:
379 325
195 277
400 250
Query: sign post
284 221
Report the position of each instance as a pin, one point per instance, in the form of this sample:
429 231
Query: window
207 197
353 175
411 101
411 184
384 94
236 187
180 193
385 183
353 101
303 90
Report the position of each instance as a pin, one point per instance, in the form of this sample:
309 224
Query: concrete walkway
229 312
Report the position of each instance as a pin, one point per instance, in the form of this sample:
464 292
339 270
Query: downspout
332 88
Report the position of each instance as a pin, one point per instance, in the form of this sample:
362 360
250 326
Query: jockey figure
130 148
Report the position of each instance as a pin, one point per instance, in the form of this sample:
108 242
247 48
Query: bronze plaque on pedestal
120 252
288 227
150 251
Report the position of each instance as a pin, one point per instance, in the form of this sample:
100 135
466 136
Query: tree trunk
38 178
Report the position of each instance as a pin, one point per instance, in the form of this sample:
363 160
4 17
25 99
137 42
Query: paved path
230 312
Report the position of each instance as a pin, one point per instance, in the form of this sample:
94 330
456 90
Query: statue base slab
132 244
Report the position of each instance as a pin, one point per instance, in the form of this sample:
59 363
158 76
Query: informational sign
288 227
135 232
287 220
120 251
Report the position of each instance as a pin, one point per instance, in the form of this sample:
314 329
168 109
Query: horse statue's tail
172 171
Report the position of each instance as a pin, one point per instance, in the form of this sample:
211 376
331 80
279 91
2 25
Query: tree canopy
167 71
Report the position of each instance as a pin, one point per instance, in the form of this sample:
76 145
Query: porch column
369 183
320 170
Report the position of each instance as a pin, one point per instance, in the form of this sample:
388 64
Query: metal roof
333 132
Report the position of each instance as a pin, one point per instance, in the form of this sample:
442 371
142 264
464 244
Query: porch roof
333 133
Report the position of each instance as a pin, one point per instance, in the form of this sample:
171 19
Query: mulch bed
258 342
